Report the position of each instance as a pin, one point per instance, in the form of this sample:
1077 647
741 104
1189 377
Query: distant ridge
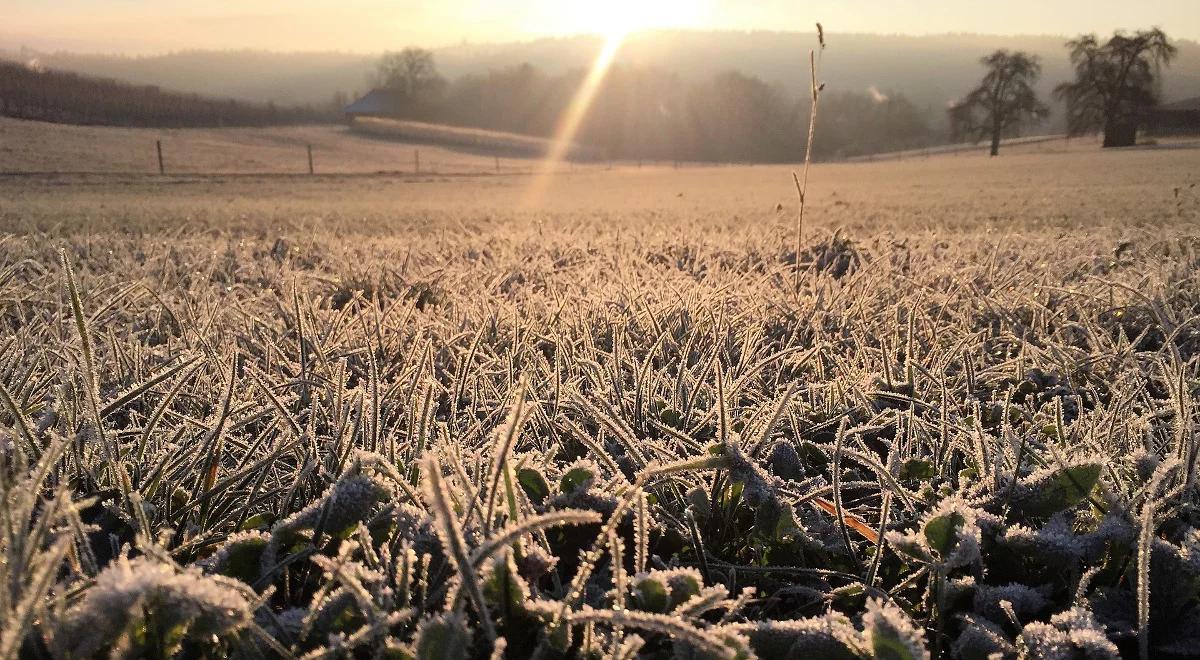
930 70
32 91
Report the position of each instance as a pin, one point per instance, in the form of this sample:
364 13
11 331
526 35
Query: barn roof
1192 104
381 102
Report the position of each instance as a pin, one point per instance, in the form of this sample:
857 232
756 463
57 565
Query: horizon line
12 43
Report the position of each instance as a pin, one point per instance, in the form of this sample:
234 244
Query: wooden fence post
417 160
310 162
158 147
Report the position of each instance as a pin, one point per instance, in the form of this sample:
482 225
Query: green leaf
942 532
258 521
672 418
766 518
887 647
810 454
699 502
504 589
241 559
443 636
916 469
775 522
534 484
891 634
851 596
652 595
575 479
179 498
1061 490
683 586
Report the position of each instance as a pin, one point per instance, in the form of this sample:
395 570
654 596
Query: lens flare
568 125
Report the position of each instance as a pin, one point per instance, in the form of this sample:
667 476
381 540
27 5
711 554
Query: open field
376 147
410 416
28 146
1078 189
470 139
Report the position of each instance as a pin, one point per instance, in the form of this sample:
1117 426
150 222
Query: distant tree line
647 113
731 116
28 92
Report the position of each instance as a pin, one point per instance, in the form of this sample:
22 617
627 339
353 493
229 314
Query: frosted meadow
614 436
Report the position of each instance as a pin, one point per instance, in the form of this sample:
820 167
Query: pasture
250 411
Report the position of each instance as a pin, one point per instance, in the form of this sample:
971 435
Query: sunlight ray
568 125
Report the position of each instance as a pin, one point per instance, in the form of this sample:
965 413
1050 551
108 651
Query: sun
616 19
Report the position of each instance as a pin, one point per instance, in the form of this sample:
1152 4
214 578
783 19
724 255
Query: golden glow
615 19
371 26
568 124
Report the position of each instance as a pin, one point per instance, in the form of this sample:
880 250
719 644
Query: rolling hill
930 70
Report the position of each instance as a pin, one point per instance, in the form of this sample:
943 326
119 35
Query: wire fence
315 151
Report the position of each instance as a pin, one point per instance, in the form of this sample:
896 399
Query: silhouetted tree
736 117
1115 83
338 102
1003 101
856 123
411 71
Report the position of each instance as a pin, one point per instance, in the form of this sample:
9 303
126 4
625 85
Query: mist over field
930 70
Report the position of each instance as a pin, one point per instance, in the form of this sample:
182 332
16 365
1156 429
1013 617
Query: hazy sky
370 25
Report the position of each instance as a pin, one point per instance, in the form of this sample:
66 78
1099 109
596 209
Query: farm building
1178 118
378 103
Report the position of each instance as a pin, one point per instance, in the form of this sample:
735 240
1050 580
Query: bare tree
1003 101
410 71
1115 83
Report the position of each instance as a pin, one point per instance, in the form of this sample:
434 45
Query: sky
150 26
